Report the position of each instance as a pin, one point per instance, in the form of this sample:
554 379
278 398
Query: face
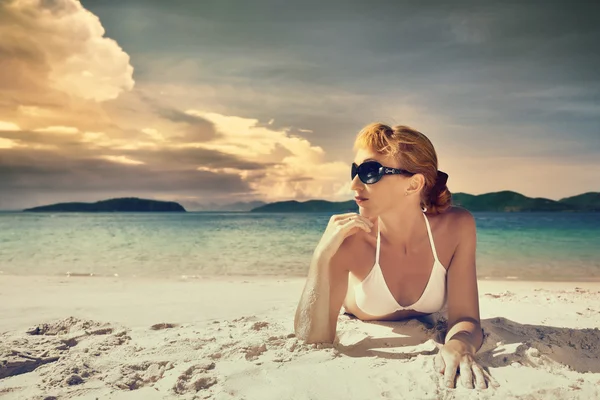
385 194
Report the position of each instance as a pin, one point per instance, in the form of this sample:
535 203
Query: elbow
301 326
299 330
303 332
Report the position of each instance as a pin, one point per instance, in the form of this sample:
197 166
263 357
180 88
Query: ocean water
524 246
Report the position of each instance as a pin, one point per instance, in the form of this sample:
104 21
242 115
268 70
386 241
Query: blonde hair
415 154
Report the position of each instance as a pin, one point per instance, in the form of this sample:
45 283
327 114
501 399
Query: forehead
363 155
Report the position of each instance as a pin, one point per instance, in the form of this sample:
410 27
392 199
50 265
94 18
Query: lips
360 199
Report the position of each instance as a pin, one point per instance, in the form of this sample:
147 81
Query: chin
365 212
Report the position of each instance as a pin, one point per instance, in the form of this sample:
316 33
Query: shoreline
254 277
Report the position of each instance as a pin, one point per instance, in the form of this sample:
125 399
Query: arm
324 291
463 298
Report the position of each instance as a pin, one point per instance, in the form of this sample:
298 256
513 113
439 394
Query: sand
232 338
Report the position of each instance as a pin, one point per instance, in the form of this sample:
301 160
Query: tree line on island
504 201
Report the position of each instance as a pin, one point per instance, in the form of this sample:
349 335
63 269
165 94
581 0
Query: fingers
354 221
356 224
438 362
472 375
466 375
450 372
338 217
490 379
479 378
343 218
354 218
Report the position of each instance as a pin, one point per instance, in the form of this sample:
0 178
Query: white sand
233 339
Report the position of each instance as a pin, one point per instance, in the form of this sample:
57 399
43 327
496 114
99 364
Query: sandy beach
232 338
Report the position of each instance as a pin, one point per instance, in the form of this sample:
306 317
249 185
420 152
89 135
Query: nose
357 184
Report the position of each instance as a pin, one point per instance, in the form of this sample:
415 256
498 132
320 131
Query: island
503 201
126 204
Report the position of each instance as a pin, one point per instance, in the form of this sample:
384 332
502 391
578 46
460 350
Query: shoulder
458 225
458 218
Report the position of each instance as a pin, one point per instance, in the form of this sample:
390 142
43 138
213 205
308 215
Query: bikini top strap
430 238
378 241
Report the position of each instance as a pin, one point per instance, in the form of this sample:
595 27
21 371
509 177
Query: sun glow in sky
203 102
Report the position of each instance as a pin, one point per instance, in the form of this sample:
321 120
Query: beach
232 338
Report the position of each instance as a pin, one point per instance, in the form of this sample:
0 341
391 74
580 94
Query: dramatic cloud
302 171
58 44
9 126
30 176
262 101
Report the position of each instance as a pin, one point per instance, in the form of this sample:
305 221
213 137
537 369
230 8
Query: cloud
154 134
271 111
58 129
7 143
122 160
33 177
9 126
59 46
302 172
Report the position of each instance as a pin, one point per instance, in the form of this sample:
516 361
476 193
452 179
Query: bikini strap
431 238
378 241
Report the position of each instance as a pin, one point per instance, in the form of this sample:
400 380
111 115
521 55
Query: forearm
468 332
311 322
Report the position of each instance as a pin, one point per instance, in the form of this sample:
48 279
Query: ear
417 182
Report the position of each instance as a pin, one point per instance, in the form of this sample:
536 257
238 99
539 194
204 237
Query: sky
219 102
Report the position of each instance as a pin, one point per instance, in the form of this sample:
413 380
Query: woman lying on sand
383 263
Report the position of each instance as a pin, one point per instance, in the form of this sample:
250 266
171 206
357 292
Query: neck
402 228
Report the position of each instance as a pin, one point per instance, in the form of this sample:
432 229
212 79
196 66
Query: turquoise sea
524 246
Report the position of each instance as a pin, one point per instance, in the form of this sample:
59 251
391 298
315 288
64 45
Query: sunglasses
371 172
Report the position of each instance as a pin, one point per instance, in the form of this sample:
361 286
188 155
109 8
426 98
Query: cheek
388 193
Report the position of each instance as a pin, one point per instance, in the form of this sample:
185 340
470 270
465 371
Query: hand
341 226
456 355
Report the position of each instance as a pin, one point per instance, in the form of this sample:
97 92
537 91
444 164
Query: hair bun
442 178
440 197
440 183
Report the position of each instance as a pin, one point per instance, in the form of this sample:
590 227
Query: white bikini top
373 296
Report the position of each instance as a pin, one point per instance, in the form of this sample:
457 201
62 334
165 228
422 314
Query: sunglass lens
369 172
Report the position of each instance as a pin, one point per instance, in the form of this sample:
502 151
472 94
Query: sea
510 246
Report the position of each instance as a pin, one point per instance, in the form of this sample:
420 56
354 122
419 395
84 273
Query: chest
406 273
394 265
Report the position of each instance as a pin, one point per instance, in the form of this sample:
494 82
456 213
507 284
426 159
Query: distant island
308 206
504 201
127 204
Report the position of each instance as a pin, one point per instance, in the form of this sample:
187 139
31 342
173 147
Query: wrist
465 340
322 256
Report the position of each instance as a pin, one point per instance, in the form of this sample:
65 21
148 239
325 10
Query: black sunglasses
371 172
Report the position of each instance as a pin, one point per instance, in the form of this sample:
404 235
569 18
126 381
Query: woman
383 262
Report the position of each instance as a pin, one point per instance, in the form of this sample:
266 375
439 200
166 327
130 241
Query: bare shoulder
458 223
457 217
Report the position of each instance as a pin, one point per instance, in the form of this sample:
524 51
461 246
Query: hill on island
127 204
308 206
504 201
587 201
507 201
